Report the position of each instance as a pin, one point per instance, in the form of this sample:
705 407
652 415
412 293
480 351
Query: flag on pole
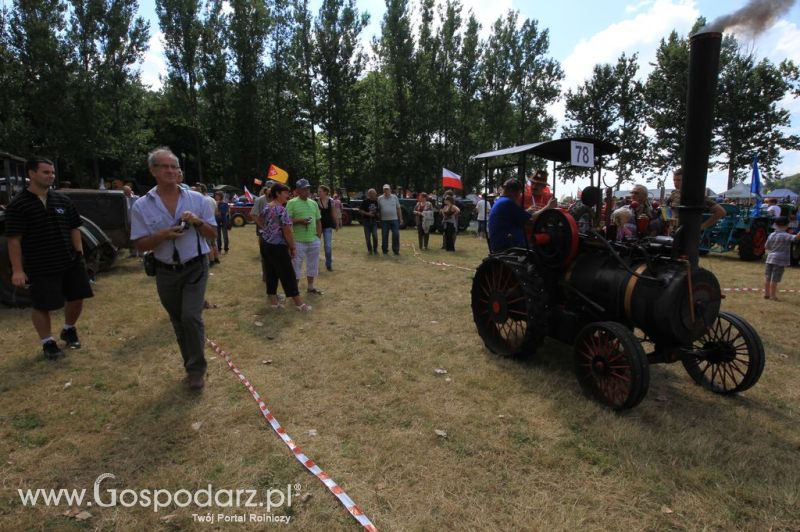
451 179
249 196
277 174
257 181
755 187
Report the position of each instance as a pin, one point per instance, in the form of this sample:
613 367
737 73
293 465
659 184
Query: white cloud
641 34
154 65
633 8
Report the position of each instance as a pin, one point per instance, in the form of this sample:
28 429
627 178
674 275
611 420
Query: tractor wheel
238 220
794 254
509 305
611 365
751 244
730 356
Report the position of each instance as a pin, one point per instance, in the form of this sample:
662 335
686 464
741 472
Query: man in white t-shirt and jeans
391 218
482 208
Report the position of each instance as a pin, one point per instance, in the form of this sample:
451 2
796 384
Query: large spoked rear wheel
611 365
753 243
730 356
509 305
794 253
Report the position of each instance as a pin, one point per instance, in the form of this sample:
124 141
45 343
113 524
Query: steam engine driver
507 219
710 205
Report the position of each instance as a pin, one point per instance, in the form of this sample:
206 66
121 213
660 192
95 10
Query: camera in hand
183 224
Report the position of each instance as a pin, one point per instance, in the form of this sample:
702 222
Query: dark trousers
222 235
371 235
278 267
422 236
182 294
394 227
449 237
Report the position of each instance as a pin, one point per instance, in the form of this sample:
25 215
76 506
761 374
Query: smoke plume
755 17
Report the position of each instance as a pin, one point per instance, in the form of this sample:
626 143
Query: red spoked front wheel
611 365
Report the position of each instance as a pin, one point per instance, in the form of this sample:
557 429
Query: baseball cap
302 183
387 186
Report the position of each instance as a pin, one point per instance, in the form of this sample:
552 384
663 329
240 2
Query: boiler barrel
665 309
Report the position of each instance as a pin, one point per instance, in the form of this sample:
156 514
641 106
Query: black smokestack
755 17
702 88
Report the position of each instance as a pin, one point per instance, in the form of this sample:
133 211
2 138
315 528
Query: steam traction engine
611 299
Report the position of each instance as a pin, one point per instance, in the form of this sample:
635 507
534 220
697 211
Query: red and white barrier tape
309 464
782 290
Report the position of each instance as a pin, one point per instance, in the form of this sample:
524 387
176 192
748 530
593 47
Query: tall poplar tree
181 29
339 62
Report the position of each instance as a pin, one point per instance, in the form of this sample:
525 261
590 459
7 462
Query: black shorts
49 291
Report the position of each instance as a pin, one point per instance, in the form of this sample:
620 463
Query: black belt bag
151 264
177 267
149 260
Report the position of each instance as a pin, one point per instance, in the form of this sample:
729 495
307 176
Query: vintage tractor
610 299
738 229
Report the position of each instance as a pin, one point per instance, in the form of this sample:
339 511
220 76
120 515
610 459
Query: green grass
524 449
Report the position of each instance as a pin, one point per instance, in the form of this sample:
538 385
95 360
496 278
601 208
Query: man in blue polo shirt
176 223
507 218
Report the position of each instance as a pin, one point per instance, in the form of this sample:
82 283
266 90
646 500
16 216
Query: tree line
251 83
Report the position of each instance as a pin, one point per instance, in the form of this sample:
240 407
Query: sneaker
51 351
329 268
71 337
303 308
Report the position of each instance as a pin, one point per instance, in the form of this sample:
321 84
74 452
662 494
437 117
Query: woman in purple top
278 249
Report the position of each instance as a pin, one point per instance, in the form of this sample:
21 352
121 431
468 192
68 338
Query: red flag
257 181
249 196
451 179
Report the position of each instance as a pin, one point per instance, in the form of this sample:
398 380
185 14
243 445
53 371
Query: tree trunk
731 176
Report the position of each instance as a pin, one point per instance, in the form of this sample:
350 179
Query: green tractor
740 230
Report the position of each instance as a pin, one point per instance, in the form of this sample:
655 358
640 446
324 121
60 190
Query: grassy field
354 383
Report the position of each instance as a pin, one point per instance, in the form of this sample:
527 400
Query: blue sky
584 33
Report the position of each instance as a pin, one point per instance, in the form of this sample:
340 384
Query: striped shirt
779 245
45 230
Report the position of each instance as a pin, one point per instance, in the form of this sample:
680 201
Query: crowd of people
183 231
629 218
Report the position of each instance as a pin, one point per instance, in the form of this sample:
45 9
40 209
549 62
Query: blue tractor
738 229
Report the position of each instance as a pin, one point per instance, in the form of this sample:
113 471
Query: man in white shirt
174 223
773 210
391 218
482 208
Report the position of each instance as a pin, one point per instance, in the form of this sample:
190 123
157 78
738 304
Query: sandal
305 307
316 291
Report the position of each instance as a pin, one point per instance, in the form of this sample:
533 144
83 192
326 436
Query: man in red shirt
537 193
